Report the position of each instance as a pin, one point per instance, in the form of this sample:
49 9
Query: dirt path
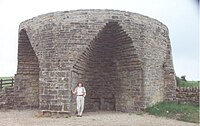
28 118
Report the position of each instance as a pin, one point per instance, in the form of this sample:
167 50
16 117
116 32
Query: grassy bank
184 83
183 112
189 84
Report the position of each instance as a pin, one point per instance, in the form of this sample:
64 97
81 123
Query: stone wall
27 77
25 93
12 99
123 58
187 95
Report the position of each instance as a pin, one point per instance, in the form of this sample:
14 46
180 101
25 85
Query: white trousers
80 104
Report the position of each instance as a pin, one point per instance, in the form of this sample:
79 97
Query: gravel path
28 118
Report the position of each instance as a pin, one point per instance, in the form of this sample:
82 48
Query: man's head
80 84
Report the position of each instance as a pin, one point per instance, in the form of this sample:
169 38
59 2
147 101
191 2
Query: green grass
183 112
182 83
189 84
6 77
193 84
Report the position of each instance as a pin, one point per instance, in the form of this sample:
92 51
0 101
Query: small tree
183 78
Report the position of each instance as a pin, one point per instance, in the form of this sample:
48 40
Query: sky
180 16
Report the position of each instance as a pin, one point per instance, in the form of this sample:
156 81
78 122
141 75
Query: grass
183 112
6 77
192 84
182 83
189 84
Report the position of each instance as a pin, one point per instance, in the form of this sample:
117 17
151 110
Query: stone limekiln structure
123 58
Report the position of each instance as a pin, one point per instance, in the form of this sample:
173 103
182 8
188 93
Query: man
80 93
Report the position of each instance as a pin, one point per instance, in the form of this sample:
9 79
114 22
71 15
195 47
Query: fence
6 82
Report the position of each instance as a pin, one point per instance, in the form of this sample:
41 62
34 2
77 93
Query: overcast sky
180 16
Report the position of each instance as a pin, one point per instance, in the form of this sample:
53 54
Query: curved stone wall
123 58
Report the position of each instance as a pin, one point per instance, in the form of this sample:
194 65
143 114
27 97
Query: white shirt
80 91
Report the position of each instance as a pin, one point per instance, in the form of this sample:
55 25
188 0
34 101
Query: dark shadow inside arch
27 77
111 71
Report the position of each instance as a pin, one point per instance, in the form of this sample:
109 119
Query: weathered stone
123 59
187 95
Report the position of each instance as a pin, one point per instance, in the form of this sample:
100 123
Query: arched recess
111 71
27 77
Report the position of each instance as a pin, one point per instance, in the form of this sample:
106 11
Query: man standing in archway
80 93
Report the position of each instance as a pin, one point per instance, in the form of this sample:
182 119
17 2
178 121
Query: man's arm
75 91
84 92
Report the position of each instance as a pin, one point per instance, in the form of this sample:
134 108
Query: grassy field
183 112
6 77
192 84
183 83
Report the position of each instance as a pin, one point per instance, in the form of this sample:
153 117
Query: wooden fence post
12 82
1 86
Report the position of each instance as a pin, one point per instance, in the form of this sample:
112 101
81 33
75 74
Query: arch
111 70
27 77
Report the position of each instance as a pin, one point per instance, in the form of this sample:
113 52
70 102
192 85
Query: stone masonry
124 60
187 95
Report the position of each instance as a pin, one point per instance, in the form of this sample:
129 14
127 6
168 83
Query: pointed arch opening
111 71
27 77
